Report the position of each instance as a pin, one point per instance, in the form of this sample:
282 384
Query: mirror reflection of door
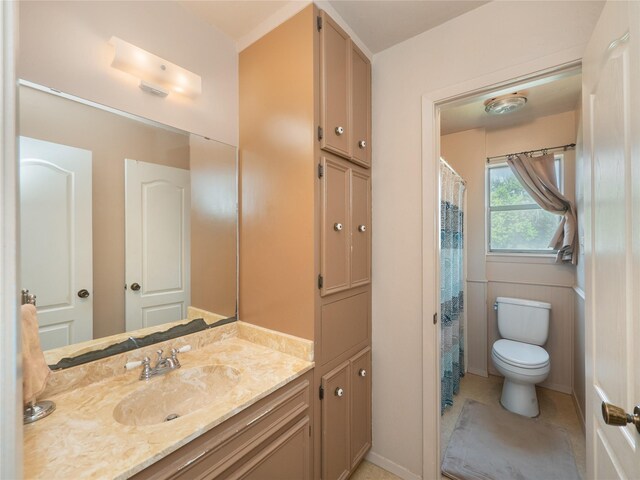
56 239
157 245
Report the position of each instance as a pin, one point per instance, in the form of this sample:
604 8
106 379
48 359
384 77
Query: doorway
481 375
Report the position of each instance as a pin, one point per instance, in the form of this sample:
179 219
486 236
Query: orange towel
35 370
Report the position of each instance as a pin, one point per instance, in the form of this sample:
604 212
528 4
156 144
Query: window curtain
538 177
451 283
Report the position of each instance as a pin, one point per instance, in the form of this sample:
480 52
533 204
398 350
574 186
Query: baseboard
479 372
580 412
556 387
392 467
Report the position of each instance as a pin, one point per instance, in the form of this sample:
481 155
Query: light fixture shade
504 104
153 70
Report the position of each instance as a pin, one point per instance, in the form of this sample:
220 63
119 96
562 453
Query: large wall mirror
125 223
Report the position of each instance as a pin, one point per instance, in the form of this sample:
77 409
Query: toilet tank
523 320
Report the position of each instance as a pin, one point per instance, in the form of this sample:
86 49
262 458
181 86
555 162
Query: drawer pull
339 131
337 227
339 392
362 144
362 228
362 372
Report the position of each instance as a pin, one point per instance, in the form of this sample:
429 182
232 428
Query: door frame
555 64
10 366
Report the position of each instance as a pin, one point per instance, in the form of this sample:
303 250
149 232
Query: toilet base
520 398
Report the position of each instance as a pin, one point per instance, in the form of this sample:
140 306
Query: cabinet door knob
362 144
339 131
362 372
337 227
339 392
135 287
84 293
362 228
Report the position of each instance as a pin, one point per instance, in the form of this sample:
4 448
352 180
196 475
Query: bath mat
490 443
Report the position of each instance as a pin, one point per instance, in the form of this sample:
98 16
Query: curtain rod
464 182
527 152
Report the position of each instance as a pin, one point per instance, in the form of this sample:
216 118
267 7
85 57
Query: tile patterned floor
555 407
369 471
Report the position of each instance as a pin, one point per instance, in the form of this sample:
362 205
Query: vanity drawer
345 324
245 442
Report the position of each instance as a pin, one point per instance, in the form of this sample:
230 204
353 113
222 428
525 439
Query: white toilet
523 326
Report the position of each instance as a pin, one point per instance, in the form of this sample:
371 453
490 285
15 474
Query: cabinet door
335 50
285 457
336 460
360 228
336 227
360 390
360 107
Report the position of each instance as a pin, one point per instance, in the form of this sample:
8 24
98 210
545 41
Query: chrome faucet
162 366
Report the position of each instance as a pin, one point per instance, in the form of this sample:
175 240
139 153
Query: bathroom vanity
239 407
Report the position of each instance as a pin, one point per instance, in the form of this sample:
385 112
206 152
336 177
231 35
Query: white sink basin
175 394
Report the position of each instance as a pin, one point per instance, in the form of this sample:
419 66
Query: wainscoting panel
476 308
560 343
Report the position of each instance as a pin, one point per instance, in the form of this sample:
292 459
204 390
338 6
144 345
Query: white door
56 239
611 107
158 202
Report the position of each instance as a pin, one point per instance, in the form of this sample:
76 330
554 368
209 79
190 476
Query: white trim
392 467
10 364
479 372
289 10
579 291
545 66
579 411
272 21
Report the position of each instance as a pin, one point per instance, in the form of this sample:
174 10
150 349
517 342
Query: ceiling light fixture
504 104
157 76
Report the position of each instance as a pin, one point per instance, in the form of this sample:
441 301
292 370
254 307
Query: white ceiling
379 24
382 24
548 97
233 17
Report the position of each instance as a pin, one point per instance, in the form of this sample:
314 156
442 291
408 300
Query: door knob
362 372
362 228
337 227
339 131
135 287
362 144
339 392
84 293
614 415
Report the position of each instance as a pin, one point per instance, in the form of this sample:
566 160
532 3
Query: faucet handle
146 369
174 358
159 353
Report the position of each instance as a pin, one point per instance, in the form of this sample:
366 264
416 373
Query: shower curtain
451 283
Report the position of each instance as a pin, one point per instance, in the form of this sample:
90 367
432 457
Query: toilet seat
519 354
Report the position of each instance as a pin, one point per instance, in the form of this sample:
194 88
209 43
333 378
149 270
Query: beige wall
452 53
531 277
213 226
64 45
55 119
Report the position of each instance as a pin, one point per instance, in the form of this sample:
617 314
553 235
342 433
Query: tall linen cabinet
305 209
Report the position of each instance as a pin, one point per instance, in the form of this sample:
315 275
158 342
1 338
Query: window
516 224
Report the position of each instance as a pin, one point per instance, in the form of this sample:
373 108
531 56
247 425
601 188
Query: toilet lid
521 354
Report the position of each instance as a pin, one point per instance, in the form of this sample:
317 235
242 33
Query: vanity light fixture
157 76
505 104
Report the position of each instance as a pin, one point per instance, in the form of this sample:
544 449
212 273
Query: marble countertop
81 439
